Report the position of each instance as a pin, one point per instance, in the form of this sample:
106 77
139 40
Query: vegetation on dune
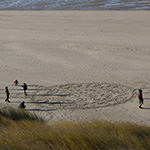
28 132
18 114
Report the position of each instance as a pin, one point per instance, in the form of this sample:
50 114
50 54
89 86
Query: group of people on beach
25 87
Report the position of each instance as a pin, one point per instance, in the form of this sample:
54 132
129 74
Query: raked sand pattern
72 96
47 101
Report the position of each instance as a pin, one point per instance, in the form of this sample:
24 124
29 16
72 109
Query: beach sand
79 65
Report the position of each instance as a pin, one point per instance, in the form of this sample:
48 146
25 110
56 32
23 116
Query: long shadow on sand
146 98
36 85
50 95
39 109
52 103
27 90
61 95
145 108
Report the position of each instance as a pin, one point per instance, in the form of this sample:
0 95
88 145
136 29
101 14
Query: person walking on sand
140 96
25 87
7 94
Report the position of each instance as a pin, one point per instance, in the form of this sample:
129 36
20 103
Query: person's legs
25 92
7 99
140 103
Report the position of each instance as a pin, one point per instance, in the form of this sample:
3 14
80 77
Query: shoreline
76 5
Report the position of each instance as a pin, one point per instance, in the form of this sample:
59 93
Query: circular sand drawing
74 96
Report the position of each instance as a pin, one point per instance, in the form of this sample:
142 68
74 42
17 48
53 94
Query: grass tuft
18 114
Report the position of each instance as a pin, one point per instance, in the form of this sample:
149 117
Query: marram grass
34 134
18 114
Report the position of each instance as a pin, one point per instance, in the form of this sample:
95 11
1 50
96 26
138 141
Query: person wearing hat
140 96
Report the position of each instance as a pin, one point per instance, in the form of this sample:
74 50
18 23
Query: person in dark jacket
7 94
25 87
22 105
140 96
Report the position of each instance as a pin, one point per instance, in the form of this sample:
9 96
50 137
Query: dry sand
79 65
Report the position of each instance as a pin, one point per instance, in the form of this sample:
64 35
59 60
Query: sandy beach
79 65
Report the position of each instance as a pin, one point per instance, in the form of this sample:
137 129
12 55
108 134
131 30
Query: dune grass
35 134
18 114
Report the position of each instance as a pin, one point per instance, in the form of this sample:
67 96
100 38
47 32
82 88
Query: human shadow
145 108
39 109
28 94
35 85
38 89
50 103
146 98
27 89
15 102
3 97
11 89
30 89
50 95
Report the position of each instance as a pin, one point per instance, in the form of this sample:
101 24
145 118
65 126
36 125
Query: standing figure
7 94
16 82
140 96
25 87
22 105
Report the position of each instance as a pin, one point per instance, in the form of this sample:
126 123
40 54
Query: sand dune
78 64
